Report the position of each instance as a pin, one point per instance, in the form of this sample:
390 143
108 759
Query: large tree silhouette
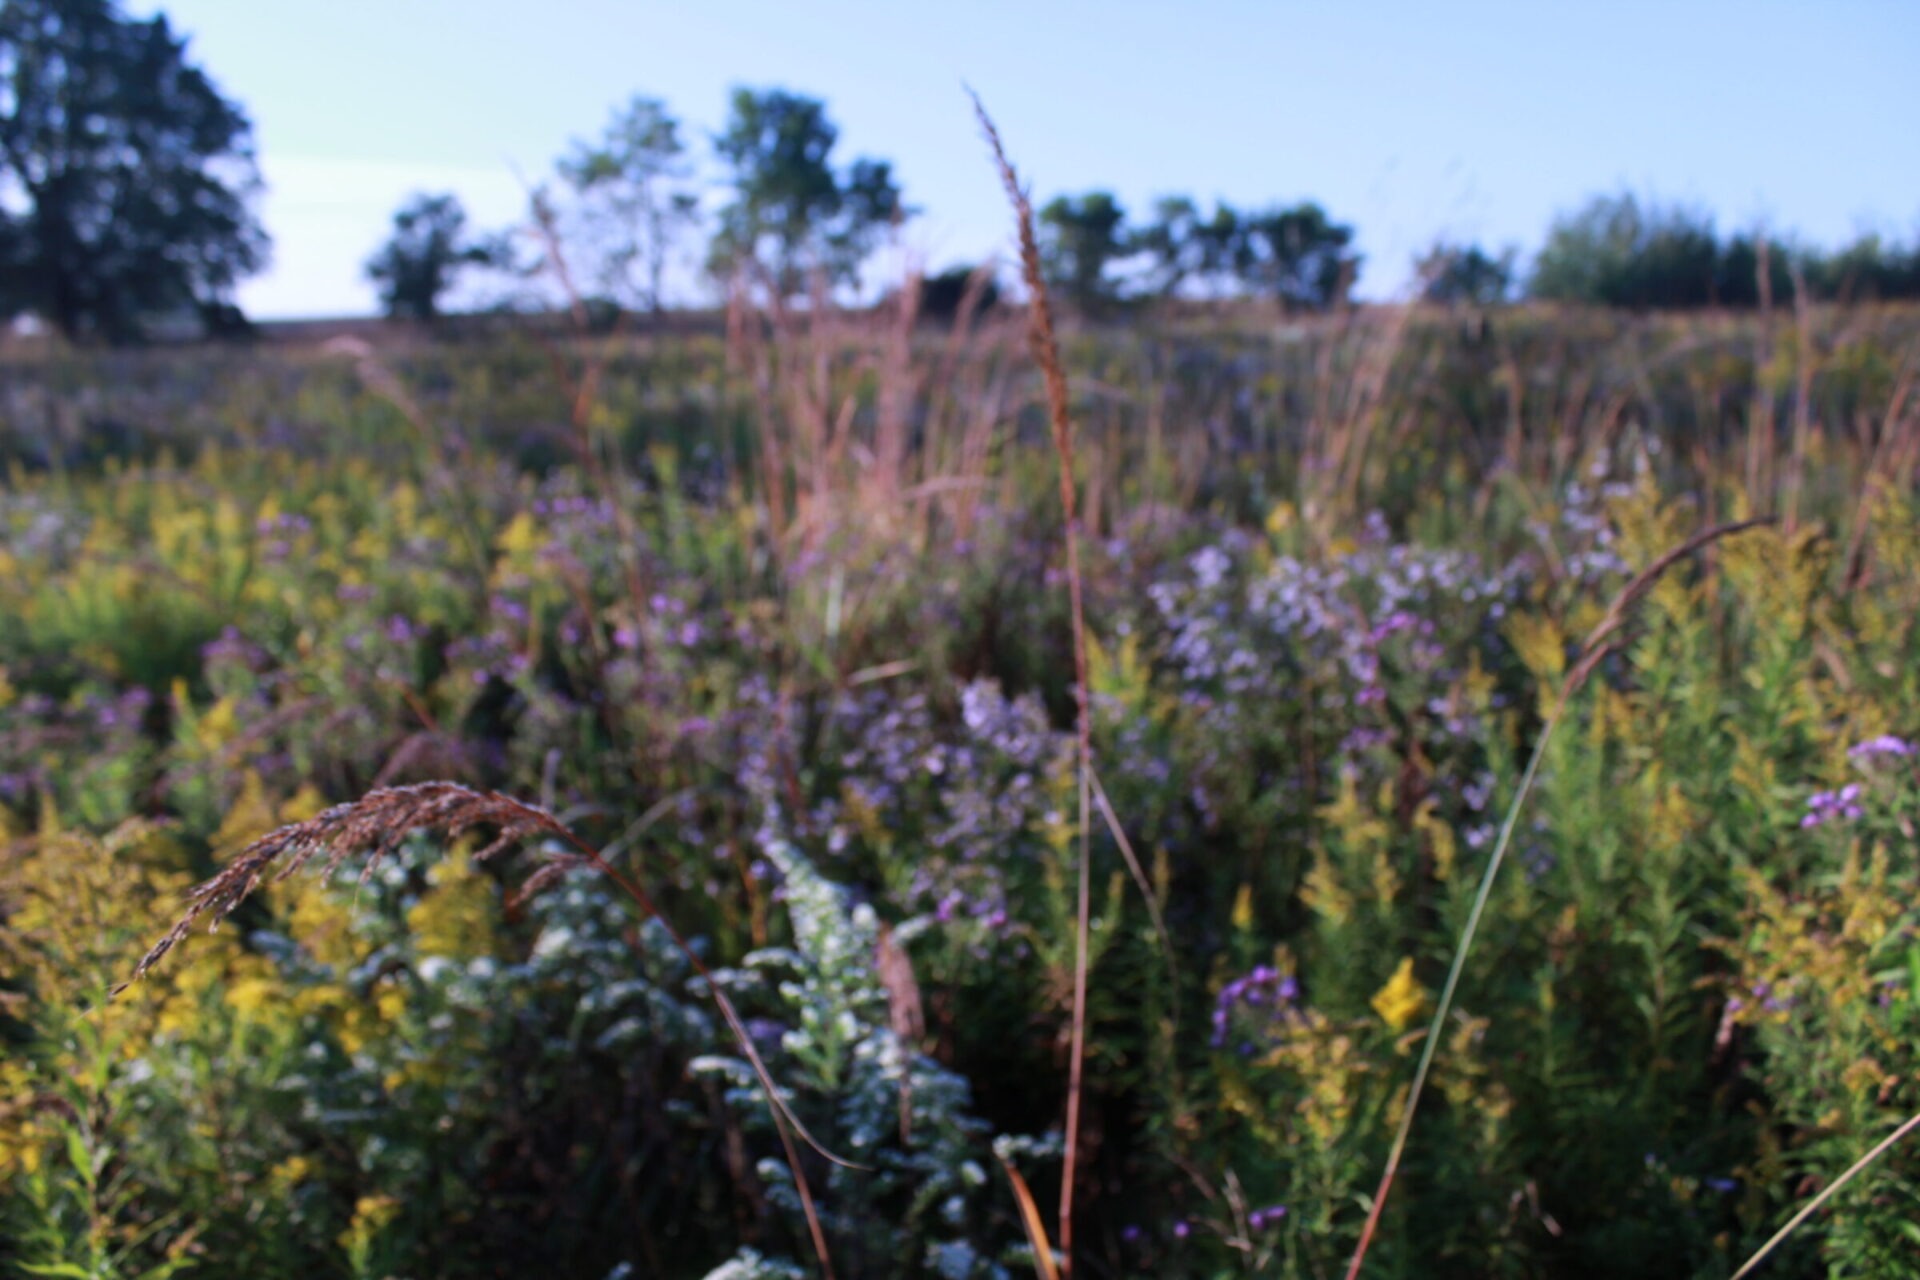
125 175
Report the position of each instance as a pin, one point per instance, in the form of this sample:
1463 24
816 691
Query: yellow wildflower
1403 998
249 995
1243 909
290 1173
371 1214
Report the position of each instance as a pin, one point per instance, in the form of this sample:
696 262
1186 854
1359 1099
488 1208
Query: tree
428 249
1618 252
1183 248
126 178
1298 256
1738 270
1081 238
1452 274
633 200
1871 269
959 289
790 210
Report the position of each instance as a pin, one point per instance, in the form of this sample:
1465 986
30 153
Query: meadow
774 621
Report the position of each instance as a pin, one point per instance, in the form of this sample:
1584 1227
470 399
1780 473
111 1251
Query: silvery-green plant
923 1198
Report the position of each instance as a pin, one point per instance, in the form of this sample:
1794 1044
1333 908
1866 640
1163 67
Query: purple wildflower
1825 806
1264 988
1262 1219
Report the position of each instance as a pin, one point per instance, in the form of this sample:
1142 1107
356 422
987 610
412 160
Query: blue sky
1413 121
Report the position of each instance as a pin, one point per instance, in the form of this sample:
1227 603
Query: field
774 622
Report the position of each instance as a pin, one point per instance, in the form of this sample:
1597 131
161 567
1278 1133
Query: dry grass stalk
1890 456
1348 409
1760 424
906 1015
379 821
1139 874
1046 353
376 823
1803 356
1832 1189
1030 1222
865 440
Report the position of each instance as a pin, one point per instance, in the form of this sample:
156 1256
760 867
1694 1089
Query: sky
1415 122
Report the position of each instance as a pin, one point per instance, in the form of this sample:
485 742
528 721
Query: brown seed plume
376 823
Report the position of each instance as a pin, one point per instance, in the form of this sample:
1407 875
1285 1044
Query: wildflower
371 1214
1264 987
1884 745
290 1173
1403 998
1210 566
249 995
1262 1219
1824 806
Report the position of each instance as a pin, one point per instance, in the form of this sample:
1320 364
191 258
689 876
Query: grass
786 618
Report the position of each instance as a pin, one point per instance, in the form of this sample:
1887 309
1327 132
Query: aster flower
1827 806
1884 745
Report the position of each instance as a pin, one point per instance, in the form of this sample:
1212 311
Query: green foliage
1297 256
1184 249
1451 275
136 173
923 1202
791 211
944 295
1617 251
1871 269
634 201
427 251
839 754
1081 240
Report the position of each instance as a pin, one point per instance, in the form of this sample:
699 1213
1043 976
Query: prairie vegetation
774 625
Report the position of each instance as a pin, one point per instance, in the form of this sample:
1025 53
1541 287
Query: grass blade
1813 1206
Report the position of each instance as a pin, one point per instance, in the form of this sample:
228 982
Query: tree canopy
1452 274
1619 251
1297 256
632 194
427 251
1081 240
791 211
126 177
1182 248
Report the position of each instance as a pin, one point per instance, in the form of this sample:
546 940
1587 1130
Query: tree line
627 198
128 185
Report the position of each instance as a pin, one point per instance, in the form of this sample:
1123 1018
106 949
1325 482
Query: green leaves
428 250
137 173
792 214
